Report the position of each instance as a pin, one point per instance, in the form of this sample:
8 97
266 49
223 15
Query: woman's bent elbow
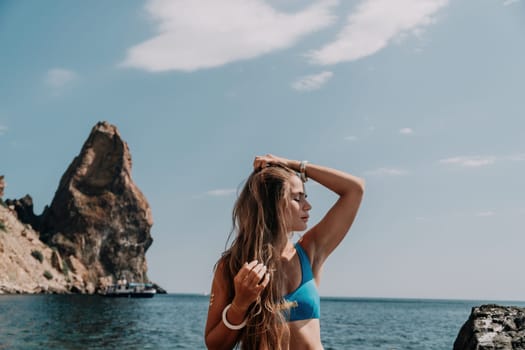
213 344
360 186
210 345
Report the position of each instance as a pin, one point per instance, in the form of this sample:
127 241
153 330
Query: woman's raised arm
321 240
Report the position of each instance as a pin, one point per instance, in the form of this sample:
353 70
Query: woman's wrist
298 166
293 164
231 321
238 309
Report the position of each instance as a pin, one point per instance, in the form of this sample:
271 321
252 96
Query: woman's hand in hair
249 283
269 159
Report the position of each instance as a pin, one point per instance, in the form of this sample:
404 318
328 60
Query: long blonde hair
259 222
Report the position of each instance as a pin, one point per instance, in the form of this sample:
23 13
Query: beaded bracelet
228 324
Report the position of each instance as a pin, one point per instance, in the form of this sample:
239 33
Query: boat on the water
130 290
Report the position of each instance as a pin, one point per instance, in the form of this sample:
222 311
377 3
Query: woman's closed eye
300 197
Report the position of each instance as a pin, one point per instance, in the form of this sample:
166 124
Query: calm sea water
177 322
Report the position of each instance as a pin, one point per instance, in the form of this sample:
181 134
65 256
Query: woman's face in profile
298 206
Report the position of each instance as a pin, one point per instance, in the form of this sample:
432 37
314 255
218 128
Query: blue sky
422 98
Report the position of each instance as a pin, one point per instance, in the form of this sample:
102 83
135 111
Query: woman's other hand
249 283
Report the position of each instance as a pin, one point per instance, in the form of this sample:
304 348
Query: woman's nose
307 205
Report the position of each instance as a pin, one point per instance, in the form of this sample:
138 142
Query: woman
264 291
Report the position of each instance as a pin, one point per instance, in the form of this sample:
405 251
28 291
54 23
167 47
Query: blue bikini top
305 299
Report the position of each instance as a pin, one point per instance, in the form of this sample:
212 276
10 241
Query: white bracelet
228 324
302 170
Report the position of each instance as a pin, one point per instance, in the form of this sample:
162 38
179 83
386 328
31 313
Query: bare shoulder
308 246
220 272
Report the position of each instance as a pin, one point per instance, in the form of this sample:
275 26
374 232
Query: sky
421 98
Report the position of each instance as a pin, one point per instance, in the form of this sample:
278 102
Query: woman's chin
299 228
302 228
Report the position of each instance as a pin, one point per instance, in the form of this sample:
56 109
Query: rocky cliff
27 265
98 218
493 327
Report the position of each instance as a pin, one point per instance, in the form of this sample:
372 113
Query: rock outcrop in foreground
493 327
99 222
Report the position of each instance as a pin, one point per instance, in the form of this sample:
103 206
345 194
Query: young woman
264 292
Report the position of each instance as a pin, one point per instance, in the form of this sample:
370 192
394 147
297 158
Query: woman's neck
288 251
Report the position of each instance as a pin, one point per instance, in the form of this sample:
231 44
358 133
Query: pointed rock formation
98 215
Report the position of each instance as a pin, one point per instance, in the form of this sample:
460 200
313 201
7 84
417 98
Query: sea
173 321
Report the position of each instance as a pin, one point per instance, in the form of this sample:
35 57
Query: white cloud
197 34
59 77
406 131
473 161
351 138
312 82
386 172
479 161
485 213
3 130
374 24
510 2
517 157
221 192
